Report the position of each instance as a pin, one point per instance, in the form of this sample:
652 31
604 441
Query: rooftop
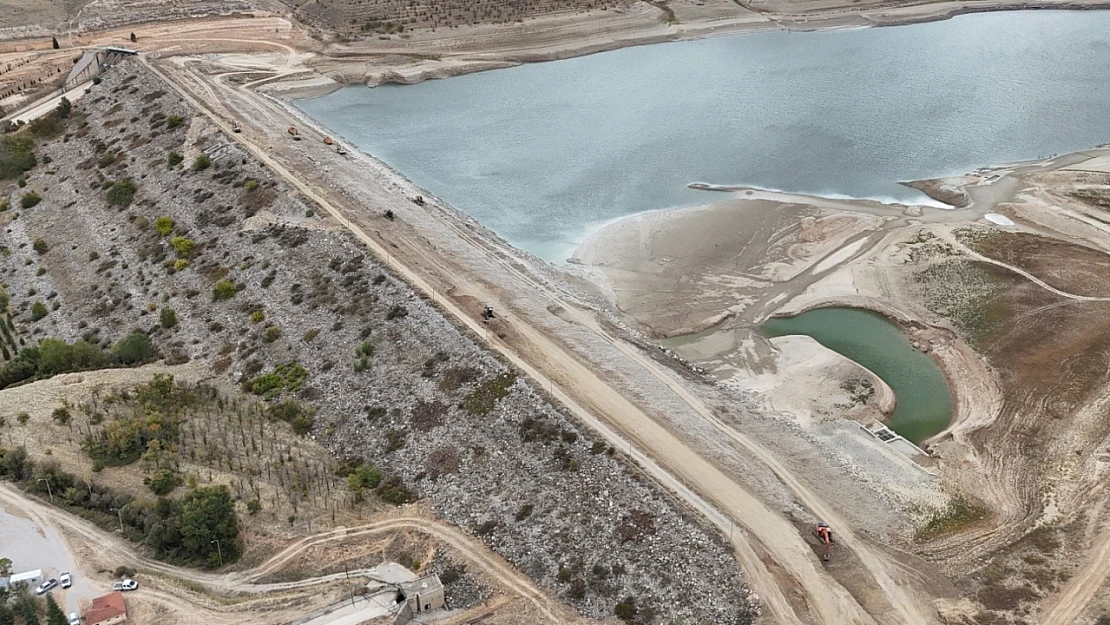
107 607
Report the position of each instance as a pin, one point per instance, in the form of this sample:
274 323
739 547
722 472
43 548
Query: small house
107 610
422 594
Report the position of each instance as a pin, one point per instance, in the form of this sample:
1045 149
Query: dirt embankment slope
257 278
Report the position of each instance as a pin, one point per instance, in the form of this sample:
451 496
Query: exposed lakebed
924 403
543 153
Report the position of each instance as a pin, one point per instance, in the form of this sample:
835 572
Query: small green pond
924 402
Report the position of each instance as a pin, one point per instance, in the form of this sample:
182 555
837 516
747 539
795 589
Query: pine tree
6 616
54 614
30 616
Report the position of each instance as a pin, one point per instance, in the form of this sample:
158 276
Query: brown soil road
242 581
1067 605
582 390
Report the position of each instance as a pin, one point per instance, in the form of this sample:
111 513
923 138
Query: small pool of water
924 401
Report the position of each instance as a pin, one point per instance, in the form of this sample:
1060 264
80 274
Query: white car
74 619
46 586
66 579
127 584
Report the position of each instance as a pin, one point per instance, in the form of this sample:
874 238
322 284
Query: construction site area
409 420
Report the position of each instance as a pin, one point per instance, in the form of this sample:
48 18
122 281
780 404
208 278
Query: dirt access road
779 560
244 582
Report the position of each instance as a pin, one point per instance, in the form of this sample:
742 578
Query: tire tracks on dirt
243 581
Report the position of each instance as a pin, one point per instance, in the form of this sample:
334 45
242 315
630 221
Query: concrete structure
31 578
422 594
93 63
107 610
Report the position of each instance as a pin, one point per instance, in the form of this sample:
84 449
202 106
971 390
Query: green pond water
924 402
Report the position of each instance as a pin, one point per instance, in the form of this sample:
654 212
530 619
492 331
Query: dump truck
293 132
328 140
235 127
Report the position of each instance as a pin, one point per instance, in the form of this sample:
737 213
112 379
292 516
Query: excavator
824 533
293 132
328 141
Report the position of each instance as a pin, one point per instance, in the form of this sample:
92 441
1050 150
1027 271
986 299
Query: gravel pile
390 380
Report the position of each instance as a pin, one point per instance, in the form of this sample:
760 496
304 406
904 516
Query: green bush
163 482
134 349
61 415
271 334
173 159
254 506
17 156
173 121
38 311
183 246
482 400
163 226
365 476
626 609
121 193
258 316
285 377
168 317
224 289
5 206
107 159
251 185
201 162
40 246
392 490
30 199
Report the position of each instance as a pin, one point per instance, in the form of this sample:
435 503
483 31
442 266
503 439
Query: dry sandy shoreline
429 56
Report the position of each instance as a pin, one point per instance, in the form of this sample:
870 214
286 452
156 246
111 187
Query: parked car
46 586
127 584
66 579
74 619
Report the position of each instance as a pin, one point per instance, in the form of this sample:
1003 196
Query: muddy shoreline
403 71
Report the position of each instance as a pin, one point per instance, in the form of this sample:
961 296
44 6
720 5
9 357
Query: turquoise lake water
543 153
924 402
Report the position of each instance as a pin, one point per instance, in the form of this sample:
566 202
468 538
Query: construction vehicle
235 127
328 141
339 149
389 215
824 533
293 131
418 200
487 314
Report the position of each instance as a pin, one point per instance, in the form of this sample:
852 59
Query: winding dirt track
244 581
599 404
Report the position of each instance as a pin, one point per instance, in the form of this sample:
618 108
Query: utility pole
219 552
51 493
348 574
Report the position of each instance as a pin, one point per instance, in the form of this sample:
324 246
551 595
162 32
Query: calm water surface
542 153
924 402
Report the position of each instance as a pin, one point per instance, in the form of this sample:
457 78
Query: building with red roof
107 610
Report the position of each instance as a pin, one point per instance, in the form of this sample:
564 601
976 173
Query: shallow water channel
924 402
